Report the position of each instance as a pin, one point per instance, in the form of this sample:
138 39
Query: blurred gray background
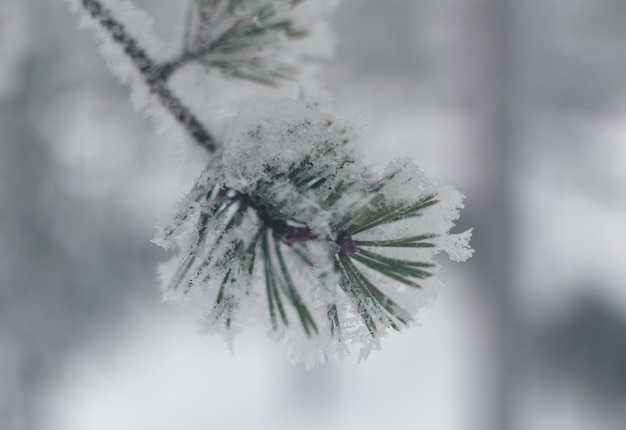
521 105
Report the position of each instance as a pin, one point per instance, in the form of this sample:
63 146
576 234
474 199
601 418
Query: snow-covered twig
155 75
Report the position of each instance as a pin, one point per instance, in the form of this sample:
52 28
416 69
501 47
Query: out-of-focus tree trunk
493 62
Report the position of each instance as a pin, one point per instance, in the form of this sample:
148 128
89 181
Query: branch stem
155 75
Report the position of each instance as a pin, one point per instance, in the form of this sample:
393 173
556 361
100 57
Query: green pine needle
385 270
280 276
392 213
378 296
292 293
273 296
398 243
404 267
333 321
350 289
223 303
369 299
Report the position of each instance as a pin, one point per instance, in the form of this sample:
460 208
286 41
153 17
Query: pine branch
288 189
154 75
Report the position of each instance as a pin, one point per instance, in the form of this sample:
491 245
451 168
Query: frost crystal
286 225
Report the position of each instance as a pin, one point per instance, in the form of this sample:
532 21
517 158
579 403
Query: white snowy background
521 105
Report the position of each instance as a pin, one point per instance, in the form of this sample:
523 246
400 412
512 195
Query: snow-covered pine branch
286 224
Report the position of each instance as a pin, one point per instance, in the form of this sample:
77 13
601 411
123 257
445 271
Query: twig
154 75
